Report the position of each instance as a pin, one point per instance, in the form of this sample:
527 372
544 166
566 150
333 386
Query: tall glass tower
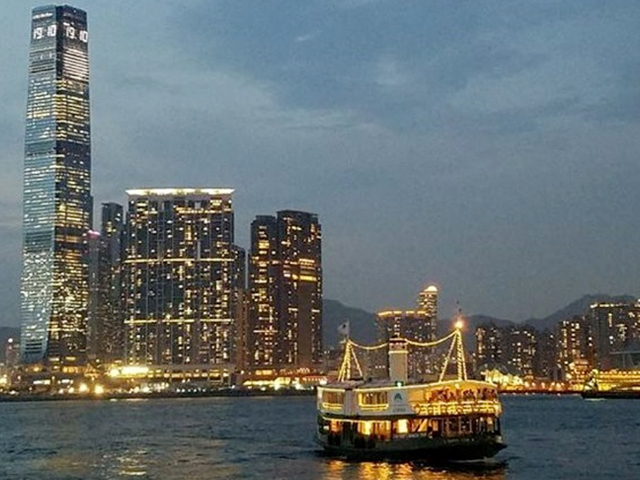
57 197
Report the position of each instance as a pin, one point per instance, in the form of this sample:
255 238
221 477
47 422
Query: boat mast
461 363
350 368
458 346
344 373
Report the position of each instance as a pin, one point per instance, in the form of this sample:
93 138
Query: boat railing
378 407
489 407
336 407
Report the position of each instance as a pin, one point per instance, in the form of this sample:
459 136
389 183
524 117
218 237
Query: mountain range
362 323
578 307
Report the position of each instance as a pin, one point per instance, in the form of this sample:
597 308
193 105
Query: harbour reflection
133 463
342 470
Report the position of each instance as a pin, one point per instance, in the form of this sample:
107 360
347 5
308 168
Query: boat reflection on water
344 470
132 463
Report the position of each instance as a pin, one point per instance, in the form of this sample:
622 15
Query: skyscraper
428 303
574 342
57 197
182 273
285 286
614 326
414 325
106 300
521 347
490 346
264 264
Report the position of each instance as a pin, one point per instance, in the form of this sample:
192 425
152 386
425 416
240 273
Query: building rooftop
173 192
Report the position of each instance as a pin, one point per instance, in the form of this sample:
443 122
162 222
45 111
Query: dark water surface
265 438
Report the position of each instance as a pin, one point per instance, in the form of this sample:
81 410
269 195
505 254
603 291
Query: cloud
488 146
306 38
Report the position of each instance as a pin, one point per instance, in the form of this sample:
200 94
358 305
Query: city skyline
510 185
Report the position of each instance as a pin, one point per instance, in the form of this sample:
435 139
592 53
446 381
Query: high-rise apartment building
521 348
545 360
106 305
514 348
574 342
615 326
182 273
94 310
285 287
419 325
415 325
428 303
57 198
264 267
490 346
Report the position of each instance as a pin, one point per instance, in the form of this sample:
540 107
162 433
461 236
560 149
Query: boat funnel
398 360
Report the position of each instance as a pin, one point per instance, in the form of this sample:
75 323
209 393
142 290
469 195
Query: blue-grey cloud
488 146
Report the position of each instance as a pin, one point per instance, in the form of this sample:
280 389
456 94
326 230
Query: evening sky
490 147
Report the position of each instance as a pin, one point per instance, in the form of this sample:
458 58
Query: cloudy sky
491 147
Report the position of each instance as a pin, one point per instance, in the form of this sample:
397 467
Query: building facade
264 268
106 300
513 349
545 363
490 346
428 303
415 325
574 343
615 327
285 287
182 273
56 195
418 325
521 350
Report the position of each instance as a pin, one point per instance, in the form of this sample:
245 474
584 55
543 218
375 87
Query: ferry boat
612 384
446 420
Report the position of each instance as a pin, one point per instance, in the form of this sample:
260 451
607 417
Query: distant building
428 303
94 315
106 308
285 288
414 325
242 334
513 348
615 326
418 325
11 353
573 342
490 346
182 273
264 277
545 360
521 346
57 196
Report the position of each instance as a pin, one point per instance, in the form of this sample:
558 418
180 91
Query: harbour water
271 438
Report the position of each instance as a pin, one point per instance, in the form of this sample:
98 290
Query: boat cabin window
335 427
380 430
373 398
402 426
336 398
